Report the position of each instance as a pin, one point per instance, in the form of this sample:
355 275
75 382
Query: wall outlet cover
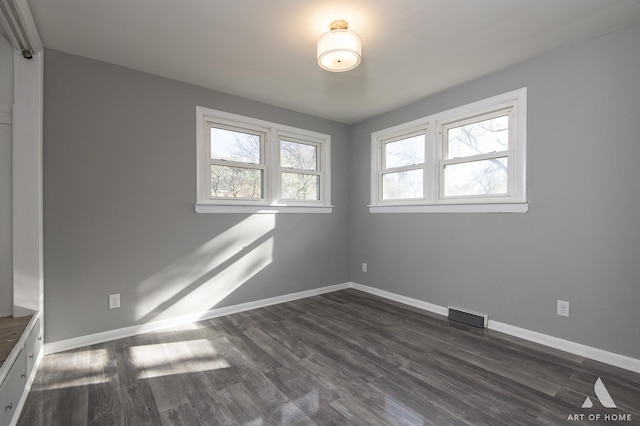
114 301
563 308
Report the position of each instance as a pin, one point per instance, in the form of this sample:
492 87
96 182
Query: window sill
453 208
261 209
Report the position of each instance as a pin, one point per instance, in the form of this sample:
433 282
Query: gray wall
6 258
120 192
580 240
119 214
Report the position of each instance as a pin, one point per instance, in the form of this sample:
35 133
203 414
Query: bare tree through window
228 178
485 176
403 160
296 158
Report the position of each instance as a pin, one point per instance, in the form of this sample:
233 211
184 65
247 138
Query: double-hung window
476 156
403 159
236 162
246 165
300 169
468 159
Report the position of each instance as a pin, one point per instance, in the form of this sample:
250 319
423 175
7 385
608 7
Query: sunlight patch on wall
205 277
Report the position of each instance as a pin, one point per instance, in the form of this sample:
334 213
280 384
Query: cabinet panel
32 347
11 389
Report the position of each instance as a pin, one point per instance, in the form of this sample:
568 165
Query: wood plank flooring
10 331
341 358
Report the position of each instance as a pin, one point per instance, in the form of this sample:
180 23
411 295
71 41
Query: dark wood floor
10 331
341 358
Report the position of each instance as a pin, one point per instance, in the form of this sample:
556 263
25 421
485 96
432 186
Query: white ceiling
265 49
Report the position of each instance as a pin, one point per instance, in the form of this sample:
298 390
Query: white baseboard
120 333
440 310
622 361
611 358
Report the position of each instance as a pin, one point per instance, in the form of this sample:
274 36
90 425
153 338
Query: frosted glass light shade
339 50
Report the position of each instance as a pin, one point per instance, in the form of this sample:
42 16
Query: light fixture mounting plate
339 24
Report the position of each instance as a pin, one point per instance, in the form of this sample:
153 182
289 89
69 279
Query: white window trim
271 202
433 202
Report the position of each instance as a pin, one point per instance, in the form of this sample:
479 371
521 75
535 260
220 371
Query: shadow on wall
201 280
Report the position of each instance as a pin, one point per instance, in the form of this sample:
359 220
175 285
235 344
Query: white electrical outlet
563 308
114 301
364 267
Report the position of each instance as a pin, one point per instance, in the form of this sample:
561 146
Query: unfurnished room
319 212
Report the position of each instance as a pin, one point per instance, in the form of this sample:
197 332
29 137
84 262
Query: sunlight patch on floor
163 359
72 369
400 414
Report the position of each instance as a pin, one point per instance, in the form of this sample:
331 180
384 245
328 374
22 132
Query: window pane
298 155
402 185
479 138
477 178
235 182
235 146
298 186
405 152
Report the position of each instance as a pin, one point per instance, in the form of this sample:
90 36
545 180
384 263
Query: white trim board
425 306
611 358
120 333
622 361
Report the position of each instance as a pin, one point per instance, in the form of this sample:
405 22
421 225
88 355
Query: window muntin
474 160
246 165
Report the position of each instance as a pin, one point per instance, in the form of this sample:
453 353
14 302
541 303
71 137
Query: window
252 166
402 174
476 156
468 159
237 163
300 175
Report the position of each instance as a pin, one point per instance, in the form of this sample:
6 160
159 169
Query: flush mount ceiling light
339 49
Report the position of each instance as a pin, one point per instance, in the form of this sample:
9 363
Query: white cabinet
17 372
32 348
12 388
